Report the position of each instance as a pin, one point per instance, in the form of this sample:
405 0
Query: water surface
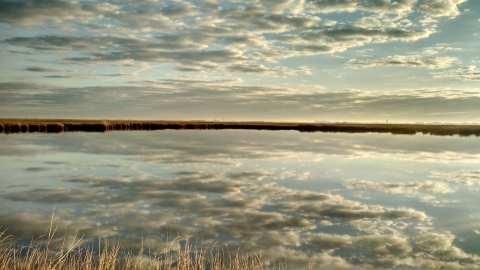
332 199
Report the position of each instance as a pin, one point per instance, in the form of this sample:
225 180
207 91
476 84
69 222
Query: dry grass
72 125
45 253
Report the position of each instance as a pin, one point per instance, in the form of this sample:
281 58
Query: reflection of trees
47 126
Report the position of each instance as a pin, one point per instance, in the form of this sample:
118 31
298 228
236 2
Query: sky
270 60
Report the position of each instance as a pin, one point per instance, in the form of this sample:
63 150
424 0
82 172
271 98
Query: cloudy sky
291 60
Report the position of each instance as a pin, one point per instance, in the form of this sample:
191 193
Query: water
331 199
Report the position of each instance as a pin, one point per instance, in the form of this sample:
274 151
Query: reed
8 126
45 253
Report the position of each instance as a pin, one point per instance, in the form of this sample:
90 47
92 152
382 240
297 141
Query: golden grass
45 253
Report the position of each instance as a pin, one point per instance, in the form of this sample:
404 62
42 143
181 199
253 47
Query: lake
334 200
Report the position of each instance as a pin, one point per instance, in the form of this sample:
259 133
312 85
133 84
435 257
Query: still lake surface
332 199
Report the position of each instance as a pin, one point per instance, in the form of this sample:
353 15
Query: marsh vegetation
73 125
48 253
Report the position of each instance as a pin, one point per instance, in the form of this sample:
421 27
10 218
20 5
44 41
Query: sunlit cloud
263 43
466 177
468 73
405 61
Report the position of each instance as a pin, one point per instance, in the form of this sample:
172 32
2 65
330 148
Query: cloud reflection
232 203
242 207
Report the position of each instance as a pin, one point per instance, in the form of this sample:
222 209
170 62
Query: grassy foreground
48 254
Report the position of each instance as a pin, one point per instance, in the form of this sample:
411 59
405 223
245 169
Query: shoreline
31 125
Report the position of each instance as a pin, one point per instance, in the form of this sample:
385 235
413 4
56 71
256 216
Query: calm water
376 200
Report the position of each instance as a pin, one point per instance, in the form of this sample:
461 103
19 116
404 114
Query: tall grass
45 253
72 125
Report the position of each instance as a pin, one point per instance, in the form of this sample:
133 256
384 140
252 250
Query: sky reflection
337 200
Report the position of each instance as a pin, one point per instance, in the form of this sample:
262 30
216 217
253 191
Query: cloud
41 12
69 76
58 43
31 224
179 9
327 6
38 169
18 86
179 98
353 210
262 174
326 223
420 190
396 250
437 8
209 36
262 70
230 206
355 36
468 73
376 226
466 177
406 61
41 69
440 244
439 48
401 188
258 19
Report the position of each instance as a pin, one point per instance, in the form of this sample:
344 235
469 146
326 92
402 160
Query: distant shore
12 125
